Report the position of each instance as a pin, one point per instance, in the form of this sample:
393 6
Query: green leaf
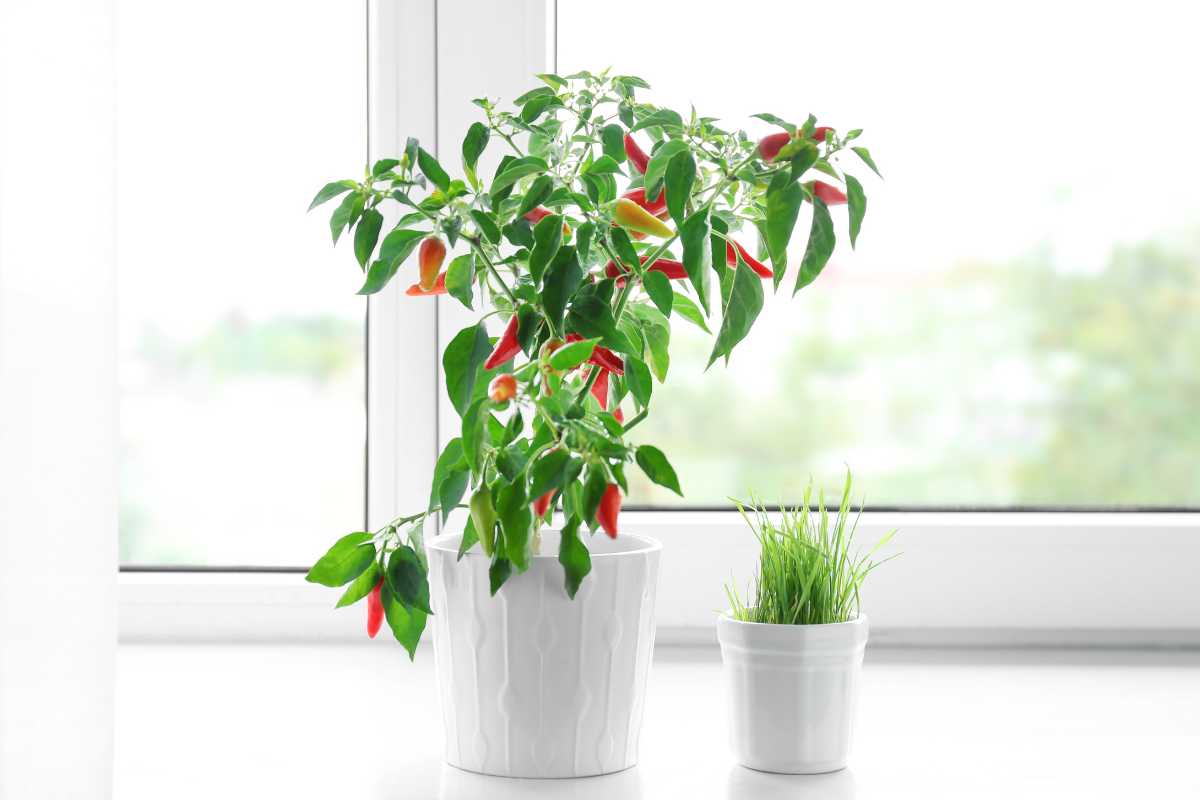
540 91
461 361
548 472
407 579
658 344
406 623
574 557
473 431
593 489
783 207
562 278
366 235
637 376
541 188
516 170
656 170
856 201
865 155
499 572
657 468
681 174
624 247
572 355
460 279
583 240
383 165
361 586
697 254
612 139
519 232
396 248
346 212
662 118
745 303
604 165
547 238
821 241
469 538
433 170
474 143
658 286
449 478
591 318
685 308
330 191
486 226
774 120
345 561
516 519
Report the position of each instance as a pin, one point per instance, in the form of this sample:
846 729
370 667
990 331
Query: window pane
1021 322
242 405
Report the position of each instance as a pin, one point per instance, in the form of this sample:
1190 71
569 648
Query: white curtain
57 400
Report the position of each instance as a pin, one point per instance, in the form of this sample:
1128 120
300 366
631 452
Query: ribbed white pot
792 692
534 684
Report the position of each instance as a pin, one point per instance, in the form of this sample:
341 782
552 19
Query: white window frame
965 578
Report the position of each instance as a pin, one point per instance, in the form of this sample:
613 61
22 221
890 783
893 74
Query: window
1020 325
241 339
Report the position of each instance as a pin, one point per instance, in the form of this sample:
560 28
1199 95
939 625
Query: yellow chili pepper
632 216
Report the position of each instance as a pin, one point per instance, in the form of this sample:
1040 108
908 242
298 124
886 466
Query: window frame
1078 577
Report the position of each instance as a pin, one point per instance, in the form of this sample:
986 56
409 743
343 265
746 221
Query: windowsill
360 721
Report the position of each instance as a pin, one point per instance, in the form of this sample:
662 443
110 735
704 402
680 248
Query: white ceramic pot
792 692
535 684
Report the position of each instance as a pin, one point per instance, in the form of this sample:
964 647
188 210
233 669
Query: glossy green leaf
574 556
684 307
473 431
593 489
345 561
624 247
657 468
774 120
474 143
583 241
604 165
821 241
366 235
658 349
406 578
559 283
541 188
641 384
468 540
745 303
572 355
656 170
345 214
433 170
865 155
548 472
449 463
856 201
658 286
396 248
516 520
517 169
783 207
680 175
406 623
591 318
460 279
612 139
499 572
697 254
361 586
547 238
330 191
384 165
461 361
486 226
662 118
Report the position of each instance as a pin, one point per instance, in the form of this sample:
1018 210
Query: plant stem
478 248
641 415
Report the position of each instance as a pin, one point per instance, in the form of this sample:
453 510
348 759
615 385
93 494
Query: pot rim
728 618
448 543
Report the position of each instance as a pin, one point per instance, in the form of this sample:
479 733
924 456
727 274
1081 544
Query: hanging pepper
770 145
753 263
636 155
602 357
439 287
658 208
829 195
536 215
818 134
630 215
502 388
508 346
610 508
430 258
620 416
374 610
483 516
600 389
542 504
669 267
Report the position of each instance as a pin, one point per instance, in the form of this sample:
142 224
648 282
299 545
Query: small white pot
792 692
534 684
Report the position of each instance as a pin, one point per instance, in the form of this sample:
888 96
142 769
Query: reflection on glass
1020 324
241 341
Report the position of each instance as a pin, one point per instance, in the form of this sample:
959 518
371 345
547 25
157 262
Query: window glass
241 341
1020 324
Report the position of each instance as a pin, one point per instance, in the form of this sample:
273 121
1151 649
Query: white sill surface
321 721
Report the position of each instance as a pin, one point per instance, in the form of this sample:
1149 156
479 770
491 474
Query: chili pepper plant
606 218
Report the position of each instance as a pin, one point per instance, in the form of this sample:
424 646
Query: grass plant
809 572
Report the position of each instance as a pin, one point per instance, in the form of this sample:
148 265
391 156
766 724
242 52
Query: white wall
57 399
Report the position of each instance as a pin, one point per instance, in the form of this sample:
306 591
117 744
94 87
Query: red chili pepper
829 195
502 388
610 508
374 610
542 504
658 208
636 155
508 346
669 267
818 134
537 215
439 287
753 263
602 357
600 390
620 415
430 258
769 146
